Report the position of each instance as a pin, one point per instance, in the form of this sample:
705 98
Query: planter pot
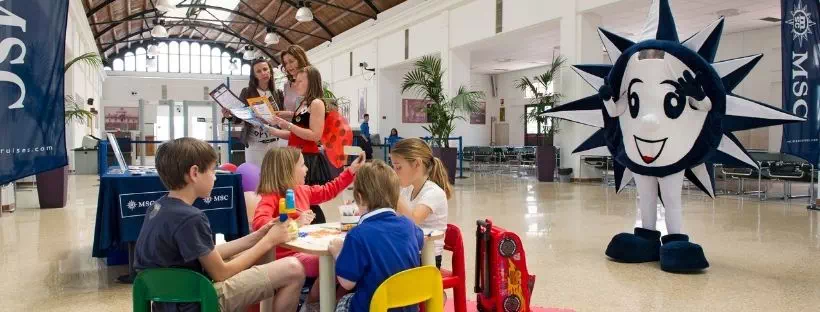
545 161
52 188
448 156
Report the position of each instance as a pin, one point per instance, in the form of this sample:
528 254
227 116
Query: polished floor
765 256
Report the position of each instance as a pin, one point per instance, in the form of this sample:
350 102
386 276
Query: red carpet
471 307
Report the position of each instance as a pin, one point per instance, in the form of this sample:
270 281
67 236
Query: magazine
228 100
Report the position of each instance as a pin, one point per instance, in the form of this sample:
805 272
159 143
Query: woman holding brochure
258 140
306 129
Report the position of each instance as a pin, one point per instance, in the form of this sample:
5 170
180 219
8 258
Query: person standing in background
365 143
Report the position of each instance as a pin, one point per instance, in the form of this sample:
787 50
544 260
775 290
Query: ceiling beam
177 38
100 6
315 19
211 7
113 33
276 19
262 13
171 18
373 7
128 11
343 8
93 28
335 19
141 13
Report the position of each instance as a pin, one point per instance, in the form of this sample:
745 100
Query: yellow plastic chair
410 287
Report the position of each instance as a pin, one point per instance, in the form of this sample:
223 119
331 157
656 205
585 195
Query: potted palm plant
52 185
548 127
442 112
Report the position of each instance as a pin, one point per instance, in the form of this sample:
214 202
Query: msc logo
218 198
801 22
8 19
131 205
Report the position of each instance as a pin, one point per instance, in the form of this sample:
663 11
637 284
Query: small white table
327 269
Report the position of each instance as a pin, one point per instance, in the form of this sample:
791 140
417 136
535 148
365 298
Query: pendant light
271 38
304 14
249 53
159 30
164 6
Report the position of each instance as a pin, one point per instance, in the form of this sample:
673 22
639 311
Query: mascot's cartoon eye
634 100
675 101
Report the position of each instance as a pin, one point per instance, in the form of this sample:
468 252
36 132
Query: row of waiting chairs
500 159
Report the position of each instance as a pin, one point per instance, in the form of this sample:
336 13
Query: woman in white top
258 140
425 187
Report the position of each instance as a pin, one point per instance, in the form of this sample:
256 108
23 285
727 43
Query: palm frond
91 59
466 101
74 111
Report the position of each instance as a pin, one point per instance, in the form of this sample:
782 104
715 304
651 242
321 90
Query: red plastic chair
455 279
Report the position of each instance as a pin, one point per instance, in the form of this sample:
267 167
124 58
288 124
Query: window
162 58
205 57
119 65
107 68
130 61
140 55
236 65
185 57
226 63
173 57
540 88
195 62
216 63
182 57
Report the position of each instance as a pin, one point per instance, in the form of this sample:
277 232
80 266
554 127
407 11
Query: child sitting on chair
382 244
177 234
282 169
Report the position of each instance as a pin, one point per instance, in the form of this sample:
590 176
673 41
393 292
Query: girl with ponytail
425 187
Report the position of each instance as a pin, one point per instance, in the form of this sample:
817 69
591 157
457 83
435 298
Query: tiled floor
765 256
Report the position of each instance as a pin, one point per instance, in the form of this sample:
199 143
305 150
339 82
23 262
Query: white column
580 44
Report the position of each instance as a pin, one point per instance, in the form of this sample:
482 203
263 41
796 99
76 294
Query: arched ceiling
117 24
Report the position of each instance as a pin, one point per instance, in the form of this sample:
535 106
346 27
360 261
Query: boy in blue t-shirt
382 244
177 234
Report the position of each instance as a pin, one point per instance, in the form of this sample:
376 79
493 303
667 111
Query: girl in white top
425 187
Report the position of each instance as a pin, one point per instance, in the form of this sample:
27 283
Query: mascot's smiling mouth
648 149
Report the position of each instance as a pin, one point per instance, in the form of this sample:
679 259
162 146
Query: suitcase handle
483 233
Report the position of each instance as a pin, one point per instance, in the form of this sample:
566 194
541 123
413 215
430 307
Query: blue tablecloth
124 198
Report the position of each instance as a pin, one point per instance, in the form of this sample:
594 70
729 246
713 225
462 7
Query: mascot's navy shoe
678 255
643 246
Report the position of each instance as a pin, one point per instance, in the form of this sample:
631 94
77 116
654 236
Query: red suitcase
502 281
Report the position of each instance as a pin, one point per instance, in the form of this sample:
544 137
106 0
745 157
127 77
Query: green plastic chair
173 286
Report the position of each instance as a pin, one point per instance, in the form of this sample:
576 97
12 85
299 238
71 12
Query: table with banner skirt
124 199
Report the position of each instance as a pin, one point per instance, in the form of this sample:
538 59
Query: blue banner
801 67
136 204
32 61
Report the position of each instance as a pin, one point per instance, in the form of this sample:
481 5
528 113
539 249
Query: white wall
764 83
81 81
148 86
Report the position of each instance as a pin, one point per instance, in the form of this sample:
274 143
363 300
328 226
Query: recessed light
499 69
771 19
503 60
728 12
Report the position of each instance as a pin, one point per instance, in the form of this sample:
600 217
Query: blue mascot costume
667 112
